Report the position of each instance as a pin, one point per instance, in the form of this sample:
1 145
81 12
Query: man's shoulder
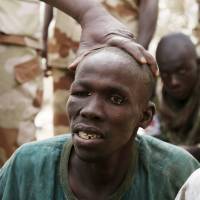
53 142
33 166
38 153
166 158
44 147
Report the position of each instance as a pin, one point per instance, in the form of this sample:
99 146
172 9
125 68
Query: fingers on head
152 62
136 50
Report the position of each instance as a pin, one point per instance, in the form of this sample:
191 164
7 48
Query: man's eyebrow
112 88
80 83
118 89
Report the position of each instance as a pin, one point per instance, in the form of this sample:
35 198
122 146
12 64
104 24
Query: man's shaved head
177 61
173 46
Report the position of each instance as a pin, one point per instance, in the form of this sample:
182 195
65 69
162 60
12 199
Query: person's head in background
109 101
177 61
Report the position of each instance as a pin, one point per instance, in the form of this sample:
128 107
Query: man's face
103 107
179 77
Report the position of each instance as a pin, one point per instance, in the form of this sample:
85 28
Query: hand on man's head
107 31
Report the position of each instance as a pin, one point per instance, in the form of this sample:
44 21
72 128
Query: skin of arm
148 14
48 16
100 29
76 8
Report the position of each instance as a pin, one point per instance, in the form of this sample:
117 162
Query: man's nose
93 108
174 80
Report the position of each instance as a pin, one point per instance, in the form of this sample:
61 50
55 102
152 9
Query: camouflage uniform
62 48
20 72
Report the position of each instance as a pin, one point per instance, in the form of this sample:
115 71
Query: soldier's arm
100 29
48 16
148 13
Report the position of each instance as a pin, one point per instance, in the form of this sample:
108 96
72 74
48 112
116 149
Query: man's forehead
174 48
173 64
113 86
109 59
113 74
170 65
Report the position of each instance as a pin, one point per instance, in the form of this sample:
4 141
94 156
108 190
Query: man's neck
100 179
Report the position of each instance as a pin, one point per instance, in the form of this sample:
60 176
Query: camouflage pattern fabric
62 79
20 17
20 73
20 94
62 48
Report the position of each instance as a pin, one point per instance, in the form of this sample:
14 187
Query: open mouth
87 133
88 136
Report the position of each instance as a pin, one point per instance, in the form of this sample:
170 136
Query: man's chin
178 95
88 156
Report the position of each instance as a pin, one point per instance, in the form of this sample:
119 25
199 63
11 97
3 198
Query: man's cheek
70 107
73 106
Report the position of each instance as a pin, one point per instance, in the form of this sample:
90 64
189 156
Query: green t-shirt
38 171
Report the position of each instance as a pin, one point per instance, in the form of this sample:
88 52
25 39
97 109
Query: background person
178 97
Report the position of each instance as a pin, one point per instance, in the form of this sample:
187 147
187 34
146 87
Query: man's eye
81 93
117 99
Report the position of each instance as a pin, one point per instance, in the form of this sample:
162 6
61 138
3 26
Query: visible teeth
88 136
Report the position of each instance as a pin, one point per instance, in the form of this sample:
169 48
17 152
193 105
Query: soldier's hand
107 31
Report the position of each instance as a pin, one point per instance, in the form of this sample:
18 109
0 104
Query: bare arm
77 8
48 16
100 29
148 13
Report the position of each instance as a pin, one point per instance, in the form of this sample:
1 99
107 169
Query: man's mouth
87 132
88 136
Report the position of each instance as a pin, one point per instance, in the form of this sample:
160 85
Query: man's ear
147 115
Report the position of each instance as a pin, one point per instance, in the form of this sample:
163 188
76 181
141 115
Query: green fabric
36 171
117 195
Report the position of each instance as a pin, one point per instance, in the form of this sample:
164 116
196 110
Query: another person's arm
99 29
48 16
190 190
148 13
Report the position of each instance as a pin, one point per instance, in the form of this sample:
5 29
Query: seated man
178 96
103 158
